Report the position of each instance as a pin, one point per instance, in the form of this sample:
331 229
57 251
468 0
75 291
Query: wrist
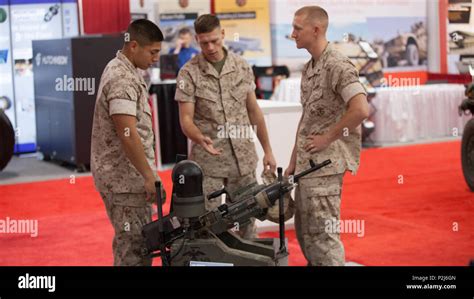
267 151
149 176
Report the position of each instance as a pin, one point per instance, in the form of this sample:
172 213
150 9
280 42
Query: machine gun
192 234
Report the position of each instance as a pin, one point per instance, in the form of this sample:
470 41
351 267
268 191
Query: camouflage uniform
220 102
122 91
326 88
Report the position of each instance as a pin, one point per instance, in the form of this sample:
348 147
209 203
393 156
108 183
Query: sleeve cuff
182 97
352 90
121 106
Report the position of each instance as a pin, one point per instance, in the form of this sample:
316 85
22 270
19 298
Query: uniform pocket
328 190
205 94
239 94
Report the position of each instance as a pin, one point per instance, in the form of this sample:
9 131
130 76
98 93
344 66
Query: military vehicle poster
246 29
395 30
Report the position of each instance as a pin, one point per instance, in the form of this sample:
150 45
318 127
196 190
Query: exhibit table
418 113
404 114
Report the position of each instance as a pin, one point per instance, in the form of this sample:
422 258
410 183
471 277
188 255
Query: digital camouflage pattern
127 221
327 85
220 100
121 91
325 90
318 200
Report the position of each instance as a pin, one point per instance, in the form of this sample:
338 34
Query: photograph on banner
247 32
394 31
175 15
6 78
176 20
461 36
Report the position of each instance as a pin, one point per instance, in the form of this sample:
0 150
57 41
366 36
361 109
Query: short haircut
144 32
314 14
206 23
184 30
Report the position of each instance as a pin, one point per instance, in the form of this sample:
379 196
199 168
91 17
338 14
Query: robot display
191 235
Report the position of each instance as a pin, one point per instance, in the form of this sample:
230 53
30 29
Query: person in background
183 47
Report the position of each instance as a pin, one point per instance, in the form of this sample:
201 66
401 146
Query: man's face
211 44
303 32
187 39
146 56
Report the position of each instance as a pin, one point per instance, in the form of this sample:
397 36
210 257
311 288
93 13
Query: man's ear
222 33
316 30
133 45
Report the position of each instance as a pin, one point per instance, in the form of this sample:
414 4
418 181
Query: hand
150 188
316 143
206 143
178 46
269 162
290 170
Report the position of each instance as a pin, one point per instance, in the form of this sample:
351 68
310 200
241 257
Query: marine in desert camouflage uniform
218 107
334 105
122 149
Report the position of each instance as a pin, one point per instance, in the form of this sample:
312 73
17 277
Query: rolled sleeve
122 97
352 90
185 87
122 106
345 81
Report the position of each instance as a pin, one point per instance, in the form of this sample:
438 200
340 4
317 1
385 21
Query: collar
207 68
128 64
312 71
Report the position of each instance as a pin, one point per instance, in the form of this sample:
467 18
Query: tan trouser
128 213
211 184
318 200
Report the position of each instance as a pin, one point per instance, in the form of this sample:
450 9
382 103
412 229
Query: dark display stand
64 117
172 139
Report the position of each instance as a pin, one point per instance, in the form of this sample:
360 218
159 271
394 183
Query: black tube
281 210
312 169
163 253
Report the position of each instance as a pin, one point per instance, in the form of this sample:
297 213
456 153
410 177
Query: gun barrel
312 169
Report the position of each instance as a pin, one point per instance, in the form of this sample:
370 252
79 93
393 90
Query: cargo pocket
324 204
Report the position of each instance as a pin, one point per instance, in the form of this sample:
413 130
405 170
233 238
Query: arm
357 111
257 120
186 119
290 170
125 125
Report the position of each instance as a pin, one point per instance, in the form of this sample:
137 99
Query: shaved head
315 15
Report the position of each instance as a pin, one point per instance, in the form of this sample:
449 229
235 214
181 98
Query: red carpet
427 220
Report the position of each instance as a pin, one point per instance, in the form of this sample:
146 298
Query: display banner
7 99
34 20
247 30
395 29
